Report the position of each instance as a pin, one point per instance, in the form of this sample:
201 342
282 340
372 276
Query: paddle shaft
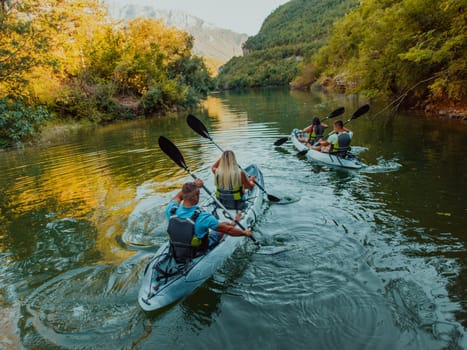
174 153
226 212
218 203
333 114
333 132
362 110
199 127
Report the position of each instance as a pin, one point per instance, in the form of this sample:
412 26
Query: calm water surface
367 259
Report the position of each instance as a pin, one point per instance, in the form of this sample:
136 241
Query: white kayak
349 161
165 281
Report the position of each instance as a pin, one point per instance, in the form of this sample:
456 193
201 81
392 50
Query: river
349 259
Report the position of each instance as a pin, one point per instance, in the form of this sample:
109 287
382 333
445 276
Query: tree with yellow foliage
72 57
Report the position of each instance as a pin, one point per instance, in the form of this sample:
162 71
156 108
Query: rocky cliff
212 42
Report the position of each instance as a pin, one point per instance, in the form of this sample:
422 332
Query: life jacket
316 134
184 244
230 198
342 145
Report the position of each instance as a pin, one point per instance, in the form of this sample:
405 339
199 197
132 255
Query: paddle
199 127
362 110
333 114
172 151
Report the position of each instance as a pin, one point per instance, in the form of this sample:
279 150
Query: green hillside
293 31
413 52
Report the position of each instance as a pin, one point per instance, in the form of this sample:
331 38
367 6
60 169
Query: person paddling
315 132
231 182
337 143
189 227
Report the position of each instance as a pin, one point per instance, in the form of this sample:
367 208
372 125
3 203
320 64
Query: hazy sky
242 16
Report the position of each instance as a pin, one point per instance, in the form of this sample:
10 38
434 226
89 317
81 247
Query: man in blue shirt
189 195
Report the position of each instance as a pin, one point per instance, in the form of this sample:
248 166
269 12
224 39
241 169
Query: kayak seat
182 252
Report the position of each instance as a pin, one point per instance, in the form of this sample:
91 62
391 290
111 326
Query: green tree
19 123
412 48
293 32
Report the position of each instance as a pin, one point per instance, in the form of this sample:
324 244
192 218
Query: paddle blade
281 141
362 110
198 126
302 153
254 240
172 151
273 198
336 113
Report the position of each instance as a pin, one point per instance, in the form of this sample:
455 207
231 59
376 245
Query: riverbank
445 111
57 131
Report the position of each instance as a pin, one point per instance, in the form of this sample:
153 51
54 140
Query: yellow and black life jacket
342 145
316 134
231 198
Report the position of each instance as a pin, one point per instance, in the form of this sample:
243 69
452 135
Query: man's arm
229 229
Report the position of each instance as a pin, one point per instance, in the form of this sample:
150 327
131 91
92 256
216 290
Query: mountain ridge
210 41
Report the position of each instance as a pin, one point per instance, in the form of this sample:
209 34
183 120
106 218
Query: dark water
367 259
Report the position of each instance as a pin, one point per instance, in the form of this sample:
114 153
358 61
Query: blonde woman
231 182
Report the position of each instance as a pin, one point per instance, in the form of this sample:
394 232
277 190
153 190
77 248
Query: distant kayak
348 161
165 281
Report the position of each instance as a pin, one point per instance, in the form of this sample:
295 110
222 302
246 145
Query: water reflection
365 259
201 308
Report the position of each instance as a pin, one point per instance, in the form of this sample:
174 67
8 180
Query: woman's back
229 180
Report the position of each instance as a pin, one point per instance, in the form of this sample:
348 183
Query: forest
413 52
294 31
410 52
68 60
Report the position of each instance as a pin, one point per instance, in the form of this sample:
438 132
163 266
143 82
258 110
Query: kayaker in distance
189 226
315 132
338 142
230 181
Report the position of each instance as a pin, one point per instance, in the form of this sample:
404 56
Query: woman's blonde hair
228 174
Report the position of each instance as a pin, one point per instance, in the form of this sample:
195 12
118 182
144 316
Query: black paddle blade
198 126
172 151
336 113
302 153
281 141
362 110
273 198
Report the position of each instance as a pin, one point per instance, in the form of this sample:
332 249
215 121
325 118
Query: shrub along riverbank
69 60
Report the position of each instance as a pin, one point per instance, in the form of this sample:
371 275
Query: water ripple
88 308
